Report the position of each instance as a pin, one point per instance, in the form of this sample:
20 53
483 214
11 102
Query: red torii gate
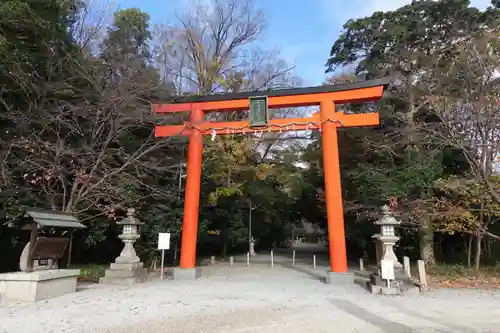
327 121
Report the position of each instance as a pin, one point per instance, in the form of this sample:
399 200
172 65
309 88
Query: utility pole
249 224
251 245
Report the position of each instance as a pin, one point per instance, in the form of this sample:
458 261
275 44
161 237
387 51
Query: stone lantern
252 247
387 237
127 268
397 283
129 235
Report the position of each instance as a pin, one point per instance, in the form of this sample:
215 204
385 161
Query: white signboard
164 241
387 267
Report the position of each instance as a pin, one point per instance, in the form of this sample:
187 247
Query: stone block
362 282
129 281
39 285
377 280
375 289
363 274
124 274
361 265
362 278
333 277
406 266
126 266
189 274
422 274
389 291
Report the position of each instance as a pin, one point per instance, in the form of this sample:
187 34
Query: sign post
163 244
387 268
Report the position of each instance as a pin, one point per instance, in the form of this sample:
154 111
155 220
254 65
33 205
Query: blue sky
304 30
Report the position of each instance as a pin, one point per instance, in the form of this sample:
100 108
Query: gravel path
256 299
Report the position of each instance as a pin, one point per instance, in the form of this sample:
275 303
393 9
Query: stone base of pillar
337 278
189 274
124 274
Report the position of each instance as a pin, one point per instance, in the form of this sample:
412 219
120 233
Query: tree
128 37
465 205
34 47
465 99
409 44
213 39
89 24
82 145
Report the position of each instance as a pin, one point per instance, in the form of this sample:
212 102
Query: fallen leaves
464 282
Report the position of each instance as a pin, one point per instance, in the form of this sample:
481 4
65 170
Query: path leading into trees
256 299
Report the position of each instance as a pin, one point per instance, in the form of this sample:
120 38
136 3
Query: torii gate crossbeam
327 121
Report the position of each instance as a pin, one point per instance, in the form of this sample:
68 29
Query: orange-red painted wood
338 97
333 190
327 119
275 125
192 196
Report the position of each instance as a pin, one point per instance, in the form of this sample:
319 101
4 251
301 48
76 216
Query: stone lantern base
401 285
124 274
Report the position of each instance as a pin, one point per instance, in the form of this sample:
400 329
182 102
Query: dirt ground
254 299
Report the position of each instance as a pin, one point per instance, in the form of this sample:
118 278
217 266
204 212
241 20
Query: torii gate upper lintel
327 121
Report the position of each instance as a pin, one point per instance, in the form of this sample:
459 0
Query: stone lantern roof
130 219
387 218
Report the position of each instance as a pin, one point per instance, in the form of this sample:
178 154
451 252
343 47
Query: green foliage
227 191
407 39
437 52
237 182
129 35
33 35
465 204
91 273
406 182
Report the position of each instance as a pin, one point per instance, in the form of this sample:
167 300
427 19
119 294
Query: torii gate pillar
328 121
333 189
192 195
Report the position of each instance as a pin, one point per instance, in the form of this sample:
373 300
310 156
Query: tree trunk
487 244
426 235
224 247
438 249
469 251
225 238
479 239
478 251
